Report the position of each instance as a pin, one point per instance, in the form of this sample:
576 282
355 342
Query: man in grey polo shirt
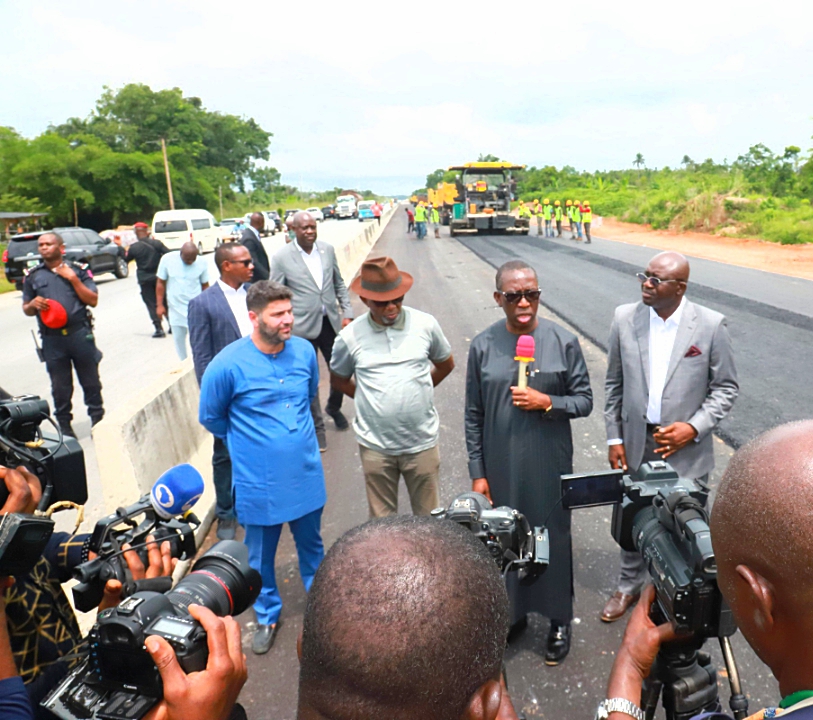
389 361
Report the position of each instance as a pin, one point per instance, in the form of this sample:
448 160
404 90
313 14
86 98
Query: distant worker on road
547 212
569 211
536 210
147 252
587 219
390 360
436 221
523 210
182 276
557 216
252 240
377 210
420 220
59 293
410 219
577 221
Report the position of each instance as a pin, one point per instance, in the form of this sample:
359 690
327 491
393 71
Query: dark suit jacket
258 255
211 327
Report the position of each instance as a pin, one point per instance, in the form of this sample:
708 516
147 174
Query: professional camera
59 464
505 532
119 680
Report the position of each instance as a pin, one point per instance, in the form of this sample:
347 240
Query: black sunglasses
245 263
514 297
654 281
384 303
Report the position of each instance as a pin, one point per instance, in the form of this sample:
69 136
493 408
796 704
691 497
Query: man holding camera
59 294
760 527
670 381
41 623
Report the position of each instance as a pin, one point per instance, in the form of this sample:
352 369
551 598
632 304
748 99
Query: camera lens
221 580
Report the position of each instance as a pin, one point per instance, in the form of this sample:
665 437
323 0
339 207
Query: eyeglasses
384 303
244 263
514 297
654 281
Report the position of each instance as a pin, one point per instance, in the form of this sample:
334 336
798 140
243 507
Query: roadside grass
5 285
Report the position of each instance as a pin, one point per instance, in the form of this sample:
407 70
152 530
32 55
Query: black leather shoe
558 644
67 430
339 419
159 333
322 440
264 638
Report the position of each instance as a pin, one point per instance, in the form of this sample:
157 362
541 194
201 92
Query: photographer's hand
206 695
617 456
642 640
480 485
673 437
24 490
160 563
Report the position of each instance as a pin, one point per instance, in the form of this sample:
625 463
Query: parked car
81 245
365 210
316 214
329 212
290 213
175 227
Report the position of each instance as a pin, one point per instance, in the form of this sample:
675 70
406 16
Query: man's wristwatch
621 705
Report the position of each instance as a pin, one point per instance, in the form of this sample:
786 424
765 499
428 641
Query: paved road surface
132 359
456 286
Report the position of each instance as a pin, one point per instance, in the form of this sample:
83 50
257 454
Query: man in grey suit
670 381
310 269
252 239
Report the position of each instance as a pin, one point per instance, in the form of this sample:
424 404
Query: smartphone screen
590 490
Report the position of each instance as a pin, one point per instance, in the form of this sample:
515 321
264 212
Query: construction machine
483 202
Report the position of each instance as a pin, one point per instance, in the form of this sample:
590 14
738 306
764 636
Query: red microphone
525 354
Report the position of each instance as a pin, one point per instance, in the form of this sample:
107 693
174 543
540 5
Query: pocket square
693 351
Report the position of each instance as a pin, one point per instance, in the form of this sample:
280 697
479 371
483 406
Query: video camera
57 461
119 680
505 532
662 516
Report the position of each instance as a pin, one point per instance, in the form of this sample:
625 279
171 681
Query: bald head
767 490
189 252
304 227
671 264
407 617
302 217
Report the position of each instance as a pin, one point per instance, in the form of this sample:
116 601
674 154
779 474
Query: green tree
639 161
433 178
488 158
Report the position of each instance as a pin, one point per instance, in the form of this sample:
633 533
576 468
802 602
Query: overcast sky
376 95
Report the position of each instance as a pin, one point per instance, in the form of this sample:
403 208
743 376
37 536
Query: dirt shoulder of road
792 260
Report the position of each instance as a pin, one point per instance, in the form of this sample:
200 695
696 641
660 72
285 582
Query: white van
175 227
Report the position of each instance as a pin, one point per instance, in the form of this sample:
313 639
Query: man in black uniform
252 239
59 293
147 252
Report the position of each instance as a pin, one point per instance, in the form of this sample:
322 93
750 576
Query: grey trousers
634 574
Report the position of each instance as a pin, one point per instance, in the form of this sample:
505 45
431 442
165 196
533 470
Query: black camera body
58 463
120 528
119 680
504 531
662 516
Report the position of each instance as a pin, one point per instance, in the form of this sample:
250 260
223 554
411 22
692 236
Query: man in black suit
147 252
251 239
218 317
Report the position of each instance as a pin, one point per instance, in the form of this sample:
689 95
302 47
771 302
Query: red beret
54 316
140 225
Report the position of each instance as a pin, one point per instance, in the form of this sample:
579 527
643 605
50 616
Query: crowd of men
384 594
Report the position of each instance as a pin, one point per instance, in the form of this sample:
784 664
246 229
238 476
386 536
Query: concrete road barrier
159 427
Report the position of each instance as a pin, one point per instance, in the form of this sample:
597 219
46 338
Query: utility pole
75 214
166 170
220 197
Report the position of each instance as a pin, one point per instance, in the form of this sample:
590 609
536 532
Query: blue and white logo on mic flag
163 496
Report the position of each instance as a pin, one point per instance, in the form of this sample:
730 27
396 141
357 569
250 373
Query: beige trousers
381 473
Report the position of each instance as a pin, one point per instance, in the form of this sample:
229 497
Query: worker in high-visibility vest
569 211
557 216
420 220
577 220
537 213
547 211
587 219
435 215
523 210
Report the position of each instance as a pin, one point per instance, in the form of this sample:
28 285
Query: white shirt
662 334
237 303
313 261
